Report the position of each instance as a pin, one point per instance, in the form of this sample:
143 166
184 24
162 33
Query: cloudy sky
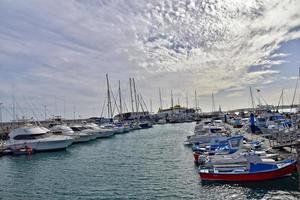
56 53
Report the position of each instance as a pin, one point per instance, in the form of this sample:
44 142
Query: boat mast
14 103
213 102
135 96
120 97
160 101
172 103
1 115
45 112
196 100
109 108
280 98
131 98
151 105
252 100
295 91
187 100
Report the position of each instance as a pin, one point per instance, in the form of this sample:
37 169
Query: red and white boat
253 170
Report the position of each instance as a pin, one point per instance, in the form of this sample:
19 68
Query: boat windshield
32 137
78 128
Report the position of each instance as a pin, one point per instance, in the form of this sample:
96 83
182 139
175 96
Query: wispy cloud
64 48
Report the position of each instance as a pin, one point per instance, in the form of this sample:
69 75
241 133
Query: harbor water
143 164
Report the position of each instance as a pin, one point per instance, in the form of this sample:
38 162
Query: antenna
45 112
74 113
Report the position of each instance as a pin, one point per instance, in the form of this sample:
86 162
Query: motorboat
101 132
145 124
36 138
85 134
255 169
113 128
161 121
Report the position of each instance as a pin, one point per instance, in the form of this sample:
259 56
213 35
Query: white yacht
37 138
85 134
112 127
61 129
101 132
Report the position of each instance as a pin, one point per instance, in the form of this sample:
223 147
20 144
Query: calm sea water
144 164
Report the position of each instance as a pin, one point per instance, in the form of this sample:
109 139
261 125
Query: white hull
105 134
85 138
42 145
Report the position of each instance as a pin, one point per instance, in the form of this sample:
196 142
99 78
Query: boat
35 138
206 134
101 132
112 127
219 146
145 124
161 121
85 134
254 170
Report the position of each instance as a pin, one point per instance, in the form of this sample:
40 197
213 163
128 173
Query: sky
54 54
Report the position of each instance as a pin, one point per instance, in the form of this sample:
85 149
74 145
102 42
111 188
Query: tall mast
139 102
45 112
151 105
187 100
64 108
135 96
109 108
1 115
213 102
295 90
160 101
14 103
131 99
196 99
282 99
120 98
172 103
252 100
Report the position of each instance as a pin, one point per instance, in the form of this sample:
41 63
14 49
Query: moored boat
254 170
35 138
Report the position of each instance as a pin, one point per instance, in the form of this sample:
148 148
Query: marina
143 164
160 99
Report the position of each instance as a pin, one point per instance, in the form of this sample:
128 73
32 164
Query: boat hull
243 177
105 134
85 138
39 146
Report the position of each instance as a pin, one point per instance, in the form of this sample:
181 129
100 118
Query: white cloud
64 48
